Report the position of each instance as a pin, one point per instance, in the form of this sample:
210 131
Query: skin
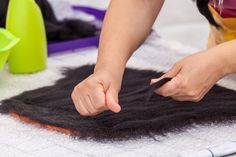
196 74
126 26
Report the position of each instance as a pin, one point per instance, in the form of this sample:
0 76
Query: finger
170 88
78 105
182 98
112 100
98 100
157 79
192 98
204 92
174 71
88 105
96 110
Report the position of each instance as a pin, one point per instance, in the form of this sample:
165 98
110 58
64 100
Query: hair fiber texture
143 113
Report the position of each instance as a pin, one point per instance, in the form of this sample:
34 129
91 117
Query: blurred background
179 20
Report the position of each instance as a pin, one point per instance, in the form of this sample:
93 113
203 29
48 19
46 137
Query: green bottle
24 20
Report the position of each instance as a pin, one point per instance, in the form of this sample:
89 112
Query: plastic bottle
24 20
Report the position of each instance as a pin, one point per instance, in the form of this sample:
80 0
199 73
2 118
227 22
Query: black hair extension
3 11
69 29
52 106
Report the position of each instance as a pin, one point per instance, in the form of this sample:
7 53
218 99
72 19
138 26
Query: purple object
54 48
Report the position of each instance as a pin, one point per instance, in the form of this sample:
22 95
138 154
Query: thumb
170 73
112 100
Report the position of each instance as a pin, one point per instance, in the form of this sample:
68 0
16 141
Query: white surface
23 140
63 10
180 20
218 151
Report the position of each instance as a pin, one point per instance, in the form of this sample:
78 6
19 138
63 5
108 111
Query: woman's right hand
97 93
122 33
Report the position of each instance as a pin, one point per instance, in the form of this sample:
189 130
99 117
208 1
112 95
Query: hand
97 93
193 76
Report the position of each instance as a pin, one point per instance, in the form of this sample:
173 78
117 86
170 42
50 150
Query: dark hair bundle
56 30
3 12
204 10
52 107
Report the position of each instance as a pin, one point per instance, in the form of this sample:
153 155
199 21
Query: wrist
214 63
113 63
115 74
227 57
113 69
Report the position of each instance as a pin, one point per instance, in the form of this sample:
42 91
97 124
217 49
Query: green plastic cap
7 41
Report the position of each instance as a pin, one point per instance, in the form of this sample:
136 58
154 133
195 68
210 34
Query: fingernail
117 108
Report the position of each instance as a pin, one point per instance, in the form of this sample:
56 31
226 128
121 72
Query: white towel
18 139
224 149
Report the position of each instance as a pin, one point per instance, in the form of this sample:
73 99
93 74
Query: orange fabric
50 127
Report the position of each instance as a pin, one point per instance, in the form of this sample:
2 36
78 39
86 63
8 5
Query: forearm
126 26
226 54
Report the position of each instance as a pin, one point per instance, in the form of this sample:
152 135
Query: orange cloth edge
41 125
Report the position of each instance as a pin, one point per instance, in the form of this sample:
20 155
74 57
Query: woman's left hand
193 76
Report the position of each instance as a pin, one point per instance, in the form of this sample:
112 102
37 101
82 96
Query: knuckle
76 89
82 86
192 94
165 94
90 110
72 96
94 114
159 91
78 109
99 106
87 83
83 114
94 111
177 99
196 99
183 84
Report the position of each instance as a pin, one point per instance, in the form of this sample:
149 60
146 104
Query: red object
229 8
